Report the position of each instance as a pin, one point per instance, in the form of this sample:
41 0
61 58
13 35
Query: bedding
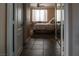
43 26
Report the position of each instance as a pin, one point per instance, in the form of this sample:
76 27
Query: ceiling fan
40 5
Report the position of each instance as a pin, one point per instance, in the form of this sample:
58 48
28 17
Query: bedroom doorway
45 30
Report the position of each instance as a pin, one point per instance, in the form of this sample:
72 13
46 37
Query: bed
43 26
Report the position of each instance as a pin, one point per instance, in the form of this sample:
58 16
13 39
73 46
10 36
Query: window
39 15
59 15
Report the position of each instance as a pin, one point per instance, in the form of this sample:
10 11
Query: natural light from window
59 15
39 15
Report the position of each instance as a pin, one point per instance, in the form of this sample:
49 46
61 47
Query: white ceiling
43 4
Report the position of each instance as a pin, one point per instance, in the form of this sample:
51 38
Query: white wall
71 28
2 29
75 29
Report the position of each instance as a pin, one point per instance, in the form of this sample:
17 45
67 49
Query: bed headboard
52 20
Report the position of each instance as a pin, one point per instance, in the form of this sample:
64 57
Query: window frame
39 16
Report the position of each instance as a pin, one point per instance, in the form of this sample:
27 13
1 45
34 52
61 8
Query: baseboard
2 54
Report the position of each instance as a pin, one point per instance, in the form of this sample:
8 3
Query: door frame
66 29
11 32
10 29
16 6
